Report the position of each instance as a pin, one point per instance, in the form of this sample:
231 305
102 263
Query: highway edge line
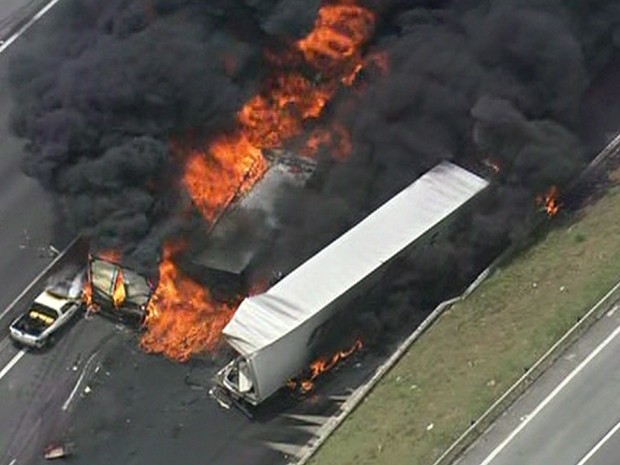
16 358
480 426
549 398
476 429
38 278
592 452
31 22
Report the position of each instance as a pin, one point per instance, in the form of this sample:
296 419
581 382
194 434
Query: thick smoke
497 80
103 92
101 99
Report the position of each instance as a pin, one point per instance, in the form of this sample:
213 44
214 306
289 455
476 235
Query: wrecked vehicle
116 291
47 315
273 332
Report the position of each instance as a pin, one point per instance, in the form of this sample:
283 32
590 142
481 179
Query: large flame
276 114
118 292
213 181
182 318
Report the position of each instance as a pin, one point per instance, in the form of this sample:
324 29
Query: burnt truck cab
236 379
117 292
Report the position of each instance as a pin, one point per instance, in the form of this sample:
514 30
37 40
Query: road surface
27 215
571 416
96 388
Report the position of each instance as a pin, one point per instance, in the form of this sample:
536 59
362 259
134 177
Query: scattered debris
570 357
430 426
562 288
87 390
534 285
216 395
56 451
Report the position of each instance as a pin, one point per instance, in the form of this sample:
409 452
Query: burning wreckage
273 332
116 291
221 263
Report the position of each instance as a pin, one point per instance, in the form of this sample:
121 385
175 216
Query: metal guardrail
589 174
520 386
355 399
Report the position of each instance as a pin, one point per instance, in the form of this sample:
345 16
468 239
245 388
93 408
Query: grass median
481 346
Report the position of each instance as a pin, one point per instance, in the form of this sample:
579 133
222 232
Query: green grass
479 347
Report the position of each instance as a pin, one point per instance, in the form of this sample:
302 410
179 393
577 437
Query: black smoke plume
102 91
101 95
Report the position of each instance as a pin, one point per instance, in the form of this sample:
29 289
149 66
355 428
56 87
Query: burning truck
273 332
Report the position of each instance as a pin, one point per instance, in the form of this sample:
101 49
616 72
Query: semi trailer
272 333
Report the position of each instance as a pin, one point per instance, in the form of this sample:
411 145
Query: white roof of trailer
314 285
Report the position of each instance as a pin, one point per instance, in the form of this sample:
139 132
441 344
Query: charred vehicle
117 292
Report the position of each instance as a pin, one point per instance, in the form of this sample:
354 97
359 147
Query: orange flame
549 201
334 45
337 139
277 113
182 319
321 365
118 293
87 293
214 179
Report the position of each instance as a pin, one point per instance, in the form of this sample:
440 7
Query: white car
46 316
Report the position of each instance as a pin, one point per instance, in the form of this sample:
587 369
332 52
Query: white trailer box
271 331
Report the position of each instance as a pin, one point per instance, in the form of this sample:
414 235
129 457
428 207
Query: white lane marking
65 406
599 444
12 363
7 43
551 396
37 279
13 462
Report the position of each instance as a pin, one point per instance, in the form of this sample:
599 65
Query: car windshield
37 319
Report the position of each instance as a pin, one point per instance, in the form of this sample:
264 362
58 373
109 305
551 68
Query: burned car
117 292
49 312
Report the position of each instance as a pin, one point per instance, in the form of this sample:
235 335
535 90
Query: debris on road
54 451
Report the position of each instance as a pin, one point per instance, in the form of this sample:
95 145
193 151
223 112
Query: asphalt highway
96 389
29 386
27 216
571 416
